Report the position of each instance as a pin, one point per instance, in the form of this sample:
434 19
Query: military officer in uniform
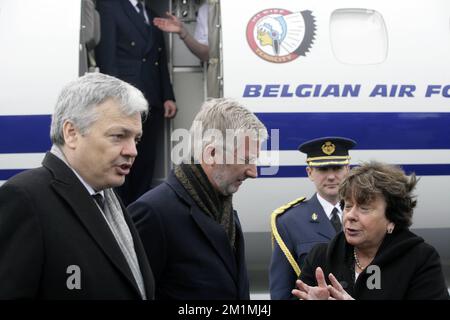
132 49
301 224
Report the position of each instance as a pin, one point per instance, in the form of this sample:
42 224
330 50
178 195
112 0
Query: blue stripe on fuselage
387 131
6 174
300 171
25 134
419 169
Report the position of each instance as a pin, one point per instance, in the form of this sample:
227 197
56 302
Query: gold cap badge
328 148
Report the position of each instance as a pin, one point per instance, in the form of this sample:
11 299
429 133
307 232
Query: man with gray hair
189 229
64 232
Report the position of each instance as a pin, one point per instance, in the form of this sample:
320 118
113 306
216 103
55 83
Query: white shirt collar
328 207
57 151
134 2
356 275
86 185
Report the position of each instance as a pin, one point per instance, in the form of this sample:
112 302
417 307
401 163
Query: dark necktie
335 221
100 200
140 6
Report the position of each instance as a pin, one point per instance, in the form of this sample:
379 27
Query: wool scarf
210 201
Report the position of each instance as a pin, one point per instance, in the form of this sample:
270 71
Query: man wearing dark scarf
190 232
216 205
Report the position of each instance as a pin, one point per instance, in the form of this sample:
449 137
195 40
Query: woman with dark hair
376 256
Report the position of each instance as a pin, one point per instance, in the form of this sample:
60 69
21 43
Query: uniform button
143 59
133 43
156 63
159 49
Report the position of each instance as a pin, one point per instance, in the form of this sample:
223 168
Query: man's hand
170 24
170 109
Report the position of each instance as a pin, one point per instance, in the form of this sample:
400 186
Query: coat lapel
214 232
216 235
70 188
323 224
136 19
241 262
151 33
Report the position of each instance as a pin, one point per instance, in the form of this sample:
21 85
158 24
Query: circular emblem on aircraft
279 35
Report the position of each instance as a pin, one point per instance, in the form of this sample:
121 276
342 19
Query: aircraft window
358 36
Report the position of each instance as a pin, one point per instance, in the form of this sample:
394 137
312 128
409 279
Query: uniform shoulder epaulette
289 205
276 235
